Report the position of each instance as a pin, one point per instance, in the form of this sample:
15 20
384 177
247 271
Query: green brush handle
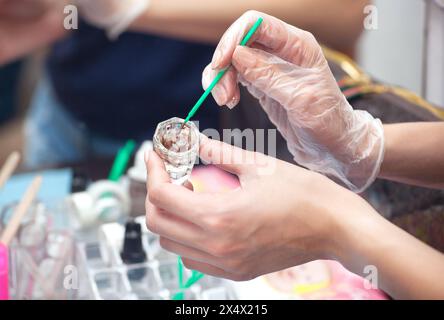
196 276
121 160
222 72
205 94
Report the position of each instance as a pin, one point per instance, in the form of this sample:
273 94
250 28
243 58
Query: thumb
155 170
229 158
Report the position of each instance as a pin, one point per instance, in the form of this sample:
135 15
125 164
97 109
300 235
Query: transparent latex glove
286 71
112 15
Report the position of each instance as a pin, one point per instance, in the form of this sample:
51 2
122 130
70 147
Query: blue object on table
56 185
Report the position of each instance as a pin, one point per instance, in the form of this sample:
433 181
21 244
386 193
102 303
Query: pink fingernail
231 104
216 59
219 95
147 155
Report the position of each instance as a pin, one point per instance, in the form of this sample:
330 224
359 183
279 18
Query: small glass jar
177 147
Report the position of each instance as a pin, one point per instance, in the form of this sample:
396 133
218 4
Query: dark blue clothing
9 76
122 89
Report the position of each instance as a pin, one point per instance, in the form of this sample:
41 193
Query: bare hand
281 216
27 25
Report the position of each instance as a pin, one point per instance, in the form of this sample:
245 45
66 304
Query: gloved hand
112 15
286 70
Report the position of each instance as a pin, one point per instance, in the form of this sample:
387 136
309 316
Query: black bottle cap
80 181
132 245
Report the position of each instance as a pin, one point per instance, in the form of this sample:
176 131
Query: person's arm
406 268
337 23
414 154
282 216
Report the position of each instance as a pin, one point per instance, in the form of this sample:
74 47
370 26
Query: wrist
368 154
340 217
356 231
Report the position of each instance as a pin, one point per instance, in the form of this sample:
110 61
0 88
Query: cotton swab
8 168
20 211
10 231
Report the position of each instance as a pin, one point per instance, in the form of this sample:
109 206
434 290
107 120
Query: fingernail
202 137
215 62
147 156
231 104
244 57
219 95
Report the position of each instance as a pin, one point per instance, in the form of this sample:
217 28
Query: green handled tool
121 160
196 276
221 73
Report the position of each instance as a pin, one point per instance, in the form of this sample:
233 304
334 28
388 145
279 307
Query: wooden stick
20 211
9 167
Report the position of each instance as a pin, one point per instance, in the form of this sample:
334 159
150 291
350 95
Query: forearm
337 23
414 153
406 268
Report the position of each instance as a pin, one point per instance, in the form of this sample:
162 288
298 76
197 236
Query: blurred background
72 101
392 53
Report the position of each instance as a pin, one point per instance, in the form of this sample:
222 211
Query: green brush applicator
220 74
